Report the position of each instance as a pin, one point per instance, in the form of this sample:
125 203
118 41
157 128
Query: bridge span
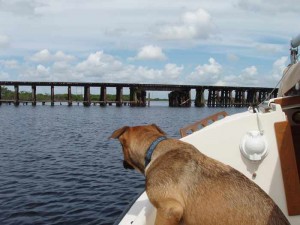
179 95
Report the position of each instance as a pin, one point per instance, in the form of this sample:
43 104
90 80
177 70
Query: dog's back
212 193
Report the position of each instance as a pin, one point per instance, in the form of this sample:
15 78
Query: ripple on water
58 166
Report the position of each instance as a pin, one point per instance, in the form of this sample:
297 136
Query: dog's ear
118 133
158 129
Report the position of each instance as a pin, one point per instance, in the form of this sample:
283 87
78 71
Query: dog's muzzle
127 165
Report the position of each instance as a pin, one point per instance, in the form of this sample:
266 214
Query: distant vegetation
24 95
27 96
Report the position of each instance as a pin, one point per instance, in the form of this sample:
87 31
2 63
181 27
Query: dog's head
135 141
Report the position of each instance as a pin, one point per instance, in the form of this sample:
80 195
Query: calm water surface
58 166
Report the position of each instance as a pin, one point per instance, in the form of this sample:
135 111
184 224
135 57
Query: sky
233 42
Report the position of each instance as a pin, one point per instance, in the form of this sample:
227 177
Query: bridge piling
251 97
218 98
225 100
143 99
33 95
103 99
239 100
69 95
133 96
199 100
213 97
52 95
87 96
119 96
137 97
244 98
17 100
180 98
231 97
209 98
228 98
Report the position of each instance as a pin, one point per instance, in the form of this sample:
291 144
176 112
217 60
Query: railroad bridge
179 96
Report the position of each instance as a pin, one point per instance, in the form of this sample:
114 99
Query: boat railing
202 123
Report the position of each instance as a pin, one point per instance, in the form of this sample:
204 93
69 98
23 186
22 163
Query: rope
261 131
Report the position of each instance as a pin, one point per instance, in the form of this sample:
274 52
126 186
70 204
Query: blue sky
234 42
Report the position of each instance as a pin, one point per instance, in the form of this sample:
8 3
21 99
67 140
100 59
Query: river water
58 166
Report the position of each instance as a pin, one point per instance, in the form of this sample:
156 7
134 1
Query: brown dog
188 187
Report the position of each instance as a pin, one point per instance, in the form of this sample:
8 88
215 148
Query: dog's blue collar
152 148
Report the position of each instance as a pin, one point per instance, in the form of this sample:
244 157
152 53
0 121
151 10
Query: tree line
7 94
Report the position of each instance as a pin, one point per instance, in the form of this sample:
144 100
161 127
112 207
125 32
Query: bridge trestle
179 95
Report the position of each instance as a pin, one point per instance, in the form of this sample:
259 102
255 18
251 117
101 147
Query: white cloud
99 64
39 72
213 74
212 68
101 67
169 74
42 56
150 52
172 71
61 56
106 68
46 56
206 74
278 67
252 70
42 70
193 25
276 73
248 77
4 41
